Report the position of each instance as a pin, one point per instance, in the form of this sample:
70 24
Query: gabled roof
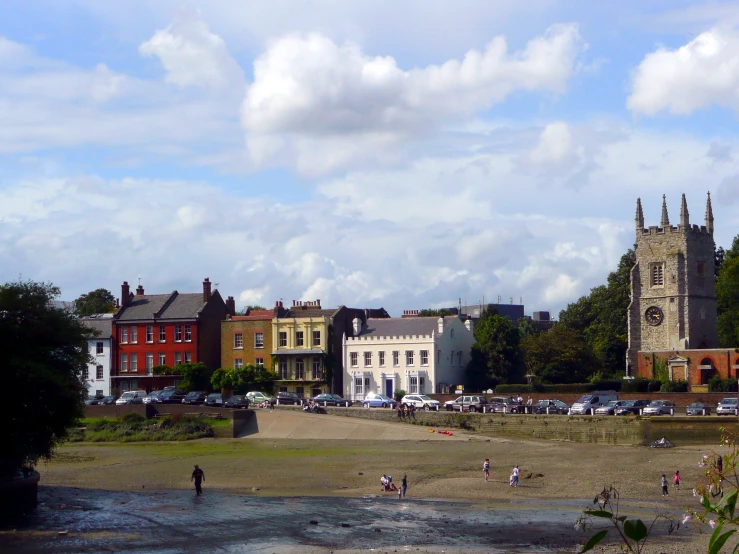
162 307
400 326
102 323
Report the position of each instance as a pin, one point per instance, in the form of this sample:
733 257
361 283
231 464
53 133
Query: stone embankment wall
681 399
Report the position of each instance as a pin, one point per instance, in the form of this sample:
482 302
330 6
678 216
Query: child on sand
665 492
486 468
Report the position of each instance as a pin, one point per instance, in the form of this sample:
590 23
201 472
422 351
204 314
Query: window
421 385
149 333
238 340
358 387
409 357
316 338
178 333
86 373
299 371
149 361
283 338
134 362
658 275
282 365
317 373
353 357
258 340
459 358
259 362
124 335
188 357
396 358
298 338
367 359
424 357
177 358
188 333
99 348
238 363
124 362
99 372
162 359
381 356
134 334
162 333
413 384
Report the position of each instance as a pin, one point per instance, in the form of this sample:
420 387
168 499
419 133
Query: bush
655 385
716 384
674 386
608 384
640 384
133 428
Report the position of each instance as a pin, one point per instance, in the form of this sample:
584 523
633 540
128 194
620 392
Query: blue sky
396 154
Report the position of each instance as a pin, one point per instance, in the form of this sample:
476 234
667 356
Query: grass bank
135 428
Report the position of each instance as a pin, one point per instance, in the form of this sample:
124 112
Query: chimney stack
206 289
230 306
125 294
117 304
139 290
357 324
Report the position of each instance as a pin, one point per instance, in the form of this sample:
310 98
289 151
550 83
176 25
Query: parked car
505 404
591 401
215 400
94 400
551 407
328 399
195 397
631 407
420 401
288 398
237 401
473 403
658 407
108 400
375 400
728 406
698 408
171 397
609 408
131 397
256 397
152 397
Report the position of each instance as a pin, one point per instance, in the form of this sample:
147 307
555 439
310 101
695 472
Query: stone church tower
673 294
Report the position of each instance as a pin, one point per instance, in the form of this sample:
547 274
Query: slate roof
399 326
298 312
102 323
171 306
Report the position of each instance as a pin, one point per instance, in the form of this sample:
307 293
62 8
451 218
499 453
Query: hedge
623 385
716 384
674 386
640 384
580 388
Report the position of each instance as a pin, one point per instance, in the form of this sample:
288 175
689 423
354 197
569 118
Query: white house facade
97 379
419 355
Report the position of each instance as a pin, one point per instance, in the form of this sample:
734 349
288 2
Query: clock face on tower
653 315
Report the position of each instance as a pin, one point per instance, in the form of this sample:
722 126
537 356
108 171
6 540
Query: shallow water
176 521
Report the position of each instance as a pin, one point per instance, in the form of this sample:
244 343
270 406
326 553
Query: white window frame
124 335
188 357
239 341
124 363
299 338
99 348
178 333
299 369
409 359
188 332
316 338
99 373
162 358
149 333
177 358
368 359
134 362
149 361
381 358
396 358
282 369
413 384
258 339
282 338
134 334
424 357
317 369
259 362
238 363
354 359
162 333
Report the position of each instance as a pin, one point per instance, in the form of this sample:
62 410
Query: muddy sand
261 494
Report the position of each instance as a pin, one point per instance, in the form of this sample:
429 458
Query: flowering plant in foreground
720 473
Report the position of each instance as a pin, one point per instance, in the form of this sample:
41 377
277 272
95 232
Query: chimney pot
139 291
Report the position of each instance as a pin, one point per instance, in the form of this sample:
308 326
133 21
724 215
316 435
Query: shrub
608 384
674 386
655 385
716 384
398 395
640 384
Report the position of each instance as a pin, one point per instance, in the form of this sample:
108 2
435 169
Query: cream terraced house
419 355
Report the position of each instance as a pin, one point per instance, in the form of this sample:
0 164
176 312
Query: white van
591 401
131 397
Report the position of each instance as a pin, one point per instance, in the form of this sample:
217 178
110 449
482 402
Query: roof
102 323
300 312
402 326
298 351
171 306
254 315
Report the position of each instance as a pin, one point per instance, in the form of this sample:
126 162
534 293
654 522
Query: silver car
728 406
659 407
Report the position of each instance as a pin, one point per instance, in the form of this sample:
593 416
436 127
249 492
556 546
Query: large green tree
98 301
243 379
561 355
44 355
495 356
601 317
727 298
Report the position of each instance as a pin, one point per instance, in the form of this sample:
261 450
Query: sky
403 155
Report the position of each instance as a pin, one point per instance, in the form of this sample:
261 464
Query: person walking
198 476
515 477
486 468
404 484
676 480
665 491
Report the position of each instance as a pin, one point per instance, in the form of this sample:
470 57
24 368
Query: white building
100 347
419 355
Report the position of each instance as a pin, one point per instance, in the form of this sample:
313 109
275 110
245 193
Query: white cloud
191 54
702 73
312 98
555 144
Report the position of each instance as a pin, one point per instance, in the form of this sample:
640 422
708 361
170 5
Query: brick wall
248 353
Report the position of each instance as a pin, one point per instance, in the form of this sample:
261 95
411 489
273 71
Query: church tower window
658 275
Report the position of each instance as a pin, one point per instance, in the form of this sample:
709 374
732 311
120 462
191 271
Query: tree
436 313
727 303
243 379
194 376
494 358
560 355
98 301
44 356
251 307
527 327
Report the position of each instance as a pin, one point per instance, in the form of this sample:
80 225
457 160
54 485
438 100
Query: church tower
673 294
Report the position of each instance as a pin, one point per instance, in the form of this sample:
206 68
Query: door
389 387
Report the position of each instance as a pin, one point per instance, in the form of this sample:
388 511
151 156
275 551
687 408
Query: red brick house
165 329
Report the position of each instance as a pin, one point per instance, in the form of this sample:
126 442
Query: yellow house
300 341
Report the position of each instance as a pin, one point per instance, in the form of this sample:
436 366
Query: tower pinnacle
684 215
665 218
639 216
709 214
